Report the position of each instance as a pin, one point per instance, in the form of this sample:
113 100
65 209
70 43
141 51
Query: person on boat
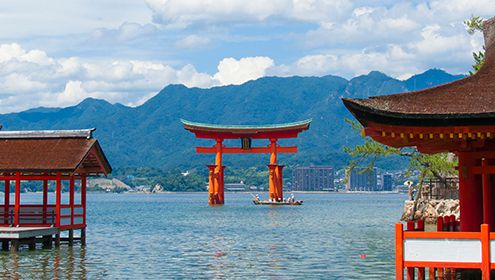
257 197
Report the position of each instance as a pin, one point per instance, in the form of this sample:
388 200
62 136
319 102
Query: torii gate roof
282 130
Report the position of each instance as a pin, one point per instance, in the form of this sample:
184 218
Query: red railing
442 252
39 215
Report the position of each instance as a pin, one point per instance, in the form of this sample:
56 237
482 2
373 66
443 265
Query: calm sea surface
178 236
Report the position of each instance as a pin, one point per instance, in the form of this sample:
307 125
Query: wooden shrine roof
468 101
49 151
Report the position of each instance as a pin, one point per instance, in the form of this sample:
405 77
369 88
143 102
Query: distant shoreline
261 192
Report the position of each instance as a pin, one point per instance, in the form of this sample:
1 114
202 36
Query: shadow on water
59 263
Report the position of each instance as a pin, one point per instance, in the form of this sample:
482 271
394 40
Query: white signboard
443 250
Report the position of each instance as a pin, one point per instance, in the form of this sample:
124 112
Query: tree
473 25
438 166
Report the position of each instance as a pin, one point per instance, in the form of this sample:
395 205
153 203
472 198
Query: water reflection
178 236
58 263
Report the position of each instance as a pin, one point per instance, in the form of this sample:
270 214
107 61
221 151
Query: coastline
246 192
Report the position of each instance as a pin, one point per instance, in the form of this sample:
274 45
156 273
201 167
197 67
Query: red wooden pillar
83 196
45 199
211 183
410 270
488 195
58 198
280 185
6 206
272 182
399 252
470 194
71 198
17 205
218 178
485 252
221 186
420 226
272 178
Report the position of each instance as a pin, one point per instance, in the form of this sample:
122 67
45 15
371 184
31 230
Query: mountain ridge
152 135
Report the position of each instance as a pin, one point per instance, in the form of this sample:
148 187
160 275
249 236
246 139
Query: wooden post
14 245
32 243
439 224
6 206
420 226
211 183
440 227
447 225
485 252
83 236
470 202
410 270
71 198
280 183
487 195
5 245
221 186
272 182
71 237
45 199
58 200
83 196
47 242
272 178
399 252
57 240
17 205
218 179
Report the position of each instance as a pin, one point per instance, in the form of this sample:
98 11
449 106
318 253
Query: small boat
267 202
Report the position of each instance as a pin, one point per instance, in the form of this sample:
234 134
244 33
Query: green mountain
151 135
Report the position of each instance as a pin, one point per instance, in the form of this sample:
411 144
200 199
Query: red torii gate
245 133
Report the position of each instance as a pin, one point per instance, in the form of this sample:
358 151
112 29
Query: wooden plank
26 232
254 150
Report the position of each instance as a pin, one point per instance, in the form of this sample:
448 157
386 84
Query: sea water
178 236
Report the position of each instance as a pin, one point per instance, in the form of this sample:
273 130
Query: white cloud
123 59
232 71
192 41
18 83
127 31
182 13
60 17
30 78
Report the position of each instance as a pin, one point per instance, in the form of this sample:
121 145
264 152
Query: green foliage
429 166
473 25
479 59
176 181
252 176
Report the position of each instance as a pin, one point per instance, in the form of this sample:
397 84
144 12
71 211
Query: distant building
388 182
235 187
363 180
313 178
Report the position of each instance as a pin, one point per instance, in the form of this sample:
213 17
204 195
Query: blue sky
57 53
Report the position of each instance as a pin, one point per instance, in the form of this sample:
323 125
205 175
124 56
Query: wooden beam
83 197
254 150
58 201
17 204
